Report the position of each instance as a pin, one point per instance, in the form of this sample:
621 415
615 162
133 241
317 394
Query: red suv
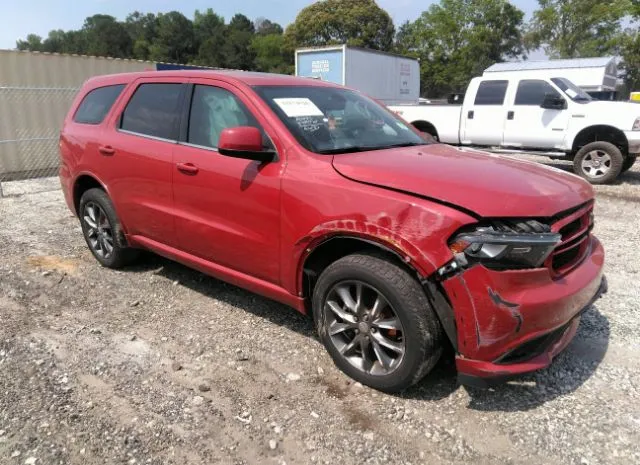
318 197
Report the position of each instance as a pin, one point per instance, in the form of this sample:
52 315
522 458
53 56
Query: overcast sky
21 17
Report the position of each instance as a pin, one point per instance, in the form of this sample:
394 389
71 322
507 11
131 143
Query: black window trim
181 97
504 97
114 104
187 103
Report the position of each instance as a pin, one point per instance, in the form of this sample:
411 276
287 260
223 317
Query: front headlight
636 125
502 246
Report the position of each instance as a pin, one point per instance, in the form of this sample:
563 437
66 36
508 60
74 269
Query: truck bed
444 117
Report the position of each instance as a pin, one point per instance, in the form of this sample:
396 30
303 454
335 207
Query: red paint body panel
501 187
254 224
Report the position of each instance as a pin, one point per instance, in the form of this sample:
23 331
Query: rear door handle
470 114
106 150
188 168
510 115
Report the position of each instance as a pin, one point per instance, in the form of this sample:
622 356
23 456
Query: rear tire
628 162
598 162
103 231
404 324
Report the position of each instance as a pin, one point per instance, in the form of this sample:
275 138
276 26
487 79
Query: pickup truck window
96 104
574 92
212 110
491 93
330 120
533 91
154 111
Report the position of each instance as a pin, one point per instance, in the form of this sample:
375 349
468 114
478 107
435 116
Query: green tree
143 29
105 36
175 39
237 50
33 42
59 41
458 39
264 27
360 23
577 28
270 54
630 50
209 30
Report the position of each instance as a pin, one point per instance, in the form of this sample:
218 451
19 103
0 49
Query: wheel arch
333 247
427 127
601 133
83 183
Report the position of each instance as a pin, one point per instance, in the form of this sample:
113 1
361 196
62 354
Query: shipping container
391 79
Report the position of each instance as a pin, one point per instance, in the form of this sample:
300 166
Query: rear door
228 209
529 125
483 118
138 149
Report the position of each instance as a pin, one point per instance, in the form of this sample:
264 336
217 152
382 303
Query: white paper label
296 107
571 93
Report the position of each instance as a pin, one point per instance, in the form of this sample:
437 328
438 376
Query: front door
227 209
529 125
483 120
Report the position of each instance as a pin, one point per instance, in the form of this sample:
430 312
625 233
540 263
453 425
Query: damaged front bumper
512 322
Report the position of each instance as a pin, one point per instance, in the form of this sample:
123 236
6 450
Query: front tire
598 162
376 322
103 231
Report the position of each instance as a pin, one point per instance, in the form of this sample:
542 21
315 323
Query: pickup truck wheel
598 162
628 162
102 230
376 322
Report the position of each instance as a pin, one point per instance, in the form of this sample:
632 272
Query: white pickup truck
526 112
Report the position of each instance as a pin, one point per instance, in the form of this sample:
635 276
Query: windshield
574 92
332 120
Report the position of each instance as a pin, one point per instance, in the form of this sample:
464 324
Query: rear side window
491 92
532 92
154 111
96 104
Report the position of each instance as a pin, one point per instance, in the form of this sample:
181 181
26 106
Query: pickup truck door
482 120
227 209
529 125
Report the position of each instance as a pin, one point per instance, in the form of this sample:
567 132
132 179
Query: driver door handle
188 168
106 150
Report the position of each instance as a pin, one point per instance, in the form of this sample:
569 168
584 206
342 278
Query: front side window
491 93
331 120
574 92
212 110
96 104
154 110
533 92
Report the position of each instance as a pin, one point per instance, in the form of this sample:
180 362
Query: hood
488 185
620 114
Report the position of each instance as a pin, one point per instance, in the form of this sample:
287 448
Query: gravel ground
160 364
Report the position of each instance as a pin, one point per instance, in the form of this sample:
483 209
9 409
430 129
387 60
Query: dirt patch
53 263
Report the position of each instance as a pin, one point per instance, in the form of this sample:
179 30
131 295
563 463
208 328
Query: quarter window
212 110
532 92
491 92
154 111
96 104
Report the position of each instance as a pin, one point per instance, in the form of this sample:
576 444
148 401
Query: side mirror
553 102
244 142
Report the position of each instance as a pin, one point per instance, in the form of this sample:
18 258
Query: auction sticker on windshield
296 107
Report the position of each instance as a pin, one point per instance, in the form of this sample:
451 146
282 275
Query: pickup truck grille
575 228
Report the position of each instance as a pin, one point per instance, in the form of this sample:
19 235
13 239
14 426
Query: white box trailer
391 79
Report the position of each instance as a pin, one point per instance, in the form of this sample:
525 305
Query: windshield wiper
367 148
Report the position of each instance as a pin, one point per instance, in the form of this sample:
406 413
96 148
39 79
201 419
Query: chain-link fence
30 122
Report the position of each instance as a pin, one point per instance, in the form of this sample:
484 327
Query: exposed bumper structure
514 322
